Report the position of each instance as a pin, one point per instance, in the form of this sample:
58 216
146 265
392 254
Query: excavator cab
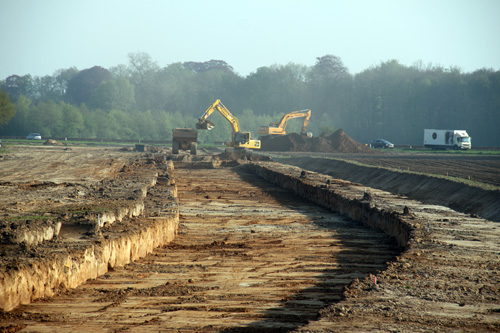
241 137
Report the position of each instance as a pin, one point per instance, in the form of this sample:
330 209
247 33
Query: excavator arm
279 128
203 123
239 139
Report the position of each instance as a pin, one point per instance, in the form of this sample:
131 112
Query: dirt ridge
458 196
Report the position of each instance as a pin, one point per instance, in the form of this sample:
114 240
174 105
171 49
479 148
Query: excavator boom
239 139
279 128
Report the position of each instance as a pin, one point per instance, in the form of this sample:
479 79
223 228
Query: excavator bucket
205 125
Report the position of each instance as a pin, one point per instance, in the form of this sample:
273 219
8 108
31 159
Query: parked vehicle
443 139
381 143
34 136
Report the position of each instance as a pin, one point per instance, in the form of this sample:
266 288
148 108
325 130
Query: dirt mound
52 142
338 142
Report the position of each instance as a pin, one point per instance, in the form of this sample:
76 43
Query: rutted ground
447 279
248 254
265 258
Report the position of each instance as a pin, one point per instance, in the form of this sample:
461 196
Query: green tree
276 89
113 94
16 86
331 89
328 68
142 71
62 78
7 109
83 84
17 126
200 67
47 119
73 123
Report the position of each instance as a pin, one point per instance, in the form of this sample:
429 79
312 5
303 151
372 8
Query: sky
39 37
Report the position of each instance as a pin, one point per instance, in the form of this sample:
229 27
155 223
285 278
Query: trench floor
249 256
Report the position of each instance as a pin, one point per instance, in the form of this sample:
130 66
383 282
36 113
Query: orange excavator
279 128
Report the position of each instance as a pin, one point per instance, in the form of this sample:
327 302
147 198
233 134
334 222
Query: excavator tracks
249 256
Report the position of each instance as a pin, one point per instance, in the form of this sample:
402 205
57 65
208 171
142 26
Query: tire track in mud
249 256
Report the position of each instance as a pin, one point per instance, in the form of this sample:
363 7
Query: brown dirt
338 142
249 256
460 193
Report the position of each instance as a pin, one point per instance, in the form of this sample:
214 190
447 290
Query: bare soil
249 255
338 142
464 183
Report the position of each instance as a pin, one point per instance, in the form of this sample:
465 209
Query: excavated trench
262 246
250 254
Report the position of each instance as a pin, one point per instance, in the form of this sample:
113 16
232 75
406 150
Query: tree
113 94
174 89
83 84
46 118
331 89
73 121
7 109
46 88
276 89
16 86
62 78
200 67
142 72
328 68
17 125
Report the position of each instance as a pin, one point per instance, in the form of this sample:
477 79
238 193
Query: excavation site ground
112 239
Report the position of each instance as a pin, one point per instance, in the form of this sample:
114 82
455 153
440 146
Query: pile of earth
52 142
338 142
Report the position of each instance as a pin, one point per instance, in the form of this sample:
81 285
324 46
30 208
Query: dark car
381 143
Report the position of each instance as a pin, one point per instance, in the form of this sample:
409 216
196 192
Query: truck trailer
446 139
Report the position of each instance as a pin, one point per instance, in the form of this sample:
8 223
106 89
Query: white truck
443 139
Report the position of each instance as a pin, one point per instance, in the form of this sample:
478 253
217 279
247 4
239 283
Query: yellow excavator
240 140
279 127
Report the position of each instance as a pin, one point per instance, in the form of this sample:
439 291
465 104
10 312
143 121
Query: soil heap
338 142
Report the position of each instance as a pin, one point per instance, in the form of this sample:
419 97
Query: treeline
142 100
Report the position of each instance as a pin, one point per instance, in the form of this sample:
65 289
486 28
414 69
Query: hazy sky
39 37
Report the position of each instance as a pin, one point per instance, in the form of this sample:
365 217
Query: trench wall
424 188
68 269
392 223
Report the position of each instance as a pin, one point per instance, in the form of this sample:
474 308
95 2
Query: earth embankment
425 188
